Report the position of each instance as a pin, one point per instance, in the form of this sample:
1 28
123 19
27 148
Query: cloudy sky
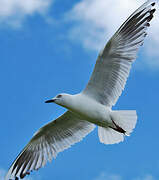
50 46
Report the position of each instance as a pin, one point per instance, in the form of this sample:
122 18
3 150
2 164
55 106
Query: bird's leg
118 128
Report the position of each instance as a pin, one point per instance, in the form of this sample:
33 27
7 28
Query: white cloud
2 173
13 12
97 20
147 177
104 176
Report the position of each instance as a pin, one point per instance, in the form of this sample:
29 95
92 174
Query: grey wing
114 62
51 139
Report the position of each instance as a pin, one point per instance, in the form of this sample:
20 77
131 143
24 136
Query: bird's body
93 106
88 109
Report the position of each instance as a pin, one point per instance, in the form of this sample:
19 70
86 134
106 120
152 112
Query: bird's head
61 99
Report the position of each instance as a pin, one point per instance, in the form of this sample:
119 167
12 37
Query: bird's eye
59 96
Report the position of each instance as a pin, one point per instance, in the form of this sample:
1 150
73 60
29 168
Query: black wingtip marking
148 24
141 44
152 11
153 4
145 34
24 174
150 18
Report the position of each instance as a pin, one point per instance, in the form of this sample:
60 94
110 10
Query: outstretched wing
51 139
114 62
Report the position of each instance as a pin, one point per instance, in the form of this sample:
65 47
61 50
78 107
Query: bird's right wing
114 62
51 139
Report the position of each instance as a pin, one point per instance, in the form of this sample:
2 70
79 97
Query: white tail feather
124 119
109 136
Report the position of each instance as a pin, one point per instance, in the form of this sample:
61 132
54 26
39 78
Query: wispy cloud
97 20
2 173
13 12
146 177
106 176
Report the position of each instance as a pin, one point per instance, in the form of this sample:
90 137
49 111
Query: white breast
90 110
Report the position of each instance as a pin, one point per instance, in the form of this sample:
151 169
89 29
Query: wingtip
152 11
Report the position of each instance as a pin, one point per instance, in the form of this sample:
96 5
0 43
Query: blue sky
51 47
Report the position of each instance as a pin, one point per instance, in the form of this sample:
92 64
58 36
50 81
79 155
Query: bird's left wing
114 62
51 139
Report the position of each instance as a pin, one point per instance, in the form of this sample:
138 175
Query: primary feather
114 62
48 142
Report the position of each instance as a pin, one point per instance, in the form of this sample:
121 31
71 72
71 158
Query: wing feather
48 142
114 62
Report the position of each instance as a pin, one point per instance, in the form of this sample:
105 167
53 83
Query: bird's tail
124 123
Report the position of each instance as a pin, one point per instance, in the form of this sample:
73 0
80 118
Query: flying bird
93 106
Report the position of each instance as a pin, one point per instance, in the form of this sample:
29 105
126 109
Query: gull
93 106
